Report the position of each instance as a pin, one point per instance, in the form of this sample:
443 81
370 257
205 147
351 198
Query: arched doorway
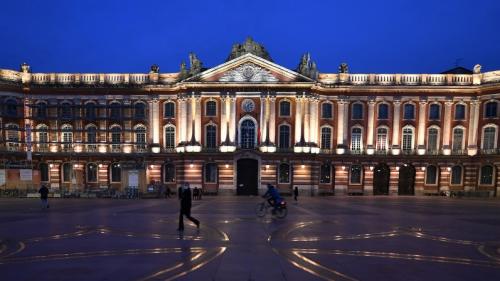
381 174
406 184
247 134
247 177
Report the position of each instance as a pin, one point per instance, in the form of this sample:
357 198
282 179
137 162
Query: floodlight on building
423 168
227 166
397 168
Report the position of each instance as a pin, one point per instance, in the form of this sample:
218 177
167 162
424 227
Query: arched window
211 173
169 173
409 111
326 110
91 172
285 108
67 172
284 173
486 177
170 137
325 173
211 108
356 139
140 138
460 112
116 138
41 110
139 110
357 111
284 141
90 111
247 134
356 174
66 110
489 138
407 139
381 139
456 175
91 138
458 140
116 172
211 136
67 137
434 111
383 111
431 175
169 110
11 108
44 172
326 138
432 139
115 111
490 110
42 137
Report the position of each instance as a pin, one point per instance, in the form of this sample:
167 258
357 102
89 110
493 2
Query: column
341 104
421 127
371 120
473 128
223 118
306 124
197 120
395 127
313 121
181 119
447 127
262 119
298 118
156 126
272 119
232 121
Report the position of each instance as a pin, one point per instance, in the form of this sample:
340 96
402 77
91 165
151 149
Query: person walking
44 195
185 210
295 193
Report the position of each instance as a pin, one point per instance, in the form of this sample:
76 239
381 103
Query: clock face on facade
248 105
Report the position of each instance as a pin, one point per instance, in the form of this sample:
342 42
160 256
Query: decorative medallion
248 105
248 72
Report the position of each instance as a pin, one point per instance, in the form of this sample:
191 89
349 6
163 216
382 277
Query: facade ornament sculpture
155 69
195 65
307 67
343 68
251 47
25 68
183 73
477 69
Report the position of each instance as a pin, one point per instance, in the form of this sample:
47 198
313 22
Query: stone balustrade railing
324 78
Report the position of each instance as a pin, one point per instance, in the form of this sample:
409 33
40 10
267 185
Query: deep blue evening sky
405 36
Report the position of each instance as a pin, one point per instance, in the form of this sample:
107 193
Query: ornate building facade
235 127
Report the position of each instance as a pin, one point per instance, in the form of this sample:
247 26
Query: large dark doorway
381 174
247 182
406 185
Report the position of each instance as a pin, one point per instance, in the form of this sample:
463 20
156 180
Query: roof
458 70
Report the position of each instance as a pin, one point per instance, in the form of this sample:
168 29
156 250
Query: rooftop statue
195 65
343 68
155 68
183 73
307 67
251 47
477 69
25 68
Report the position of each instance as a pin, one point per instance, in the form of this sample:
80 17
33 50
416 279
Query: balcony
92 148
115 148
490 151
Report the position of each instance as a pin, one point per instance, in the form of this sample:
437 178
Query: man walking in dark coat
295 193
44 194
185 200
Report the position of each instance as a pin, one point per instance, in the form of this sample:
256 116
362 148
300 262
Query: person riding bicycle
273 197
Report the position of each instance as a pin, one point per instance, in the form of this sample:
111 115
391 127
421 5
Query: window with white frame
409 111
326 110
458 139
383 111
284 173
211 173
284 141
356 174
490 109
116 138
285 108
460 112
432 139
211 136
140 137
456 175
12 134
381 139
357 111
489 137
356 139
407 139
67 137
67 172
92 135
431 175
211 108
170 137
43 136
486 177
169 110
326 138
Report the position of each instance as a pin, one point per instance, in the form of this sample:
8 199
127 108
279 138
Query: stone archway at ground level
381 175
406 184
247 177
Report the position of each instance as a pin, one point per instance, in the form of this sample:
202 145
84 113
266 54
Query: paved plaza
323 238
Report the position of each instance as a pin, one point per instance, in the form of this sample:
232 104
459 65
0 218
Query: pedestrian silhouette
185 207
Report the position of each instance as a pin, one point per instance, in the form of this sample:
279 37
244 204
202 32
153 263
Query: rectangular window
211 173
460 112
355 176
409 112
456 175
326 110
325 174
284 173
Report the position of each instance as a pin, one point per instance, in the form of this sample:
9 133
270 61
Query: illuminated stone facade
235 127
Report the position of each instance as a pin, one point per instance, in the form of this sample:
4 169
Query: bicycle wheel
260 209
281 213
